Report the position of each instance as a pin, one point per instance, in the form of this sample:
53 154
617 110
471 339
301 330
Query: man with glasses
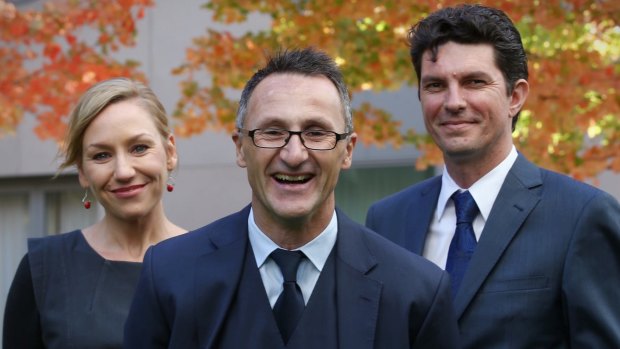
290 270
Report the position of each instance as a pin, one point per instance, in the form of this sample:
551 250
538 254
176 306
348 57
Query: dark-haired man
533 255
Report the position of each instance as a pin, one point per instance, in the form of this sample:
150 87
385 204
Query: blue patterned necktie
464 242
290 305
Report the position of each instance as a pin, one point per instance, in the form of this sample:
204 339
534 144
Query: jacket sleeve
439 329
370 218
146 326
591 286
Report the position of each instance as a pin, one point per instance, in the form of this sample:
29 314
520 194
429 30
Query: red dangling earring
170 183
85 200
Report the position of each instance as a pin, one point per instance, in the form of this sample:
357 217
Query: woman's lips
128 191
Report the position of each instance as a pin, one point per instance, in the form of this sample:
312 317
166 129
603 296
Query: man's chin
292 213
459 153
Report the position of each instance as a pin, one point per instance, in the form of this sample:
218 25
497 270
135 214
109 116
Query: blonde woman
74 290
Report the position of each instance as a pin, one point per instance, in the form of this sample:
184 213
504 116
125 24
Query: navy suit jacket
386 296
546 271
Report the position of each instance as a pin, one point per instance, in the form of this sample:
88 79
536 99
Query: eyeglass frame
250 133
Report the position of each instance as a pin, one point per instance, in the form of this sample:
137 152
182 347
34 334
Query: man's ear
518 96
238 140
348 158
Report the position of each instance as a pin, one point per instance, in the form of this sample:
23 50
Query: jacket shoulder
394 255
220 232
409 193
53 242
392 260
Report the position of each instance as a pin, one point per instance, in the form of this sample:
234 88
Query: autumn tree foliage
570 123
49 56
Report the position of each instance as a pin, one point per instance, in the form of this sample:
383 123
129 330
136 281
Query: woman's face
125 161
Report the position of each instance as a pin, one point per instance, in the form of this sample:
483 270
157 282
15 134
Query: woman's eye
140 148
101 156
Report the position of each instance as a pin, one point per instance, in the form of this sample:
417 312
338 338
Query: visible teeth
291 178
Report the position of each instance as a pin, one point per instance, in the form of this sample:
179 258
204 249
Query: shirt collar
484 191
316 250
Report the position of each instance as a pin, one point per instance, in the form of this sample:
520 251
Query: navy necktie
464 241
290 305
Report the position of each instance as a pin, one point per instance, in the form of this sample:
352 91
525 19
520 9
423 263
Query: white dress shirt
484 192
309 269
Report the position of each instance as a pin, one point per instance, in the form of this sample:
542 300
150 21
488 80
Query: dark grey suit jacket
386 296
546 272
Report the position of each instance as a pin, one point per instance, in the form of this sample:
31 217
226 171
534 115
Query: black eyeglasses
274 138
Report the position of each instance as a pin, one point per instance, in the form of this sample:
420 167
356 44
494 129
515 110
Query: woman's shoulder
54 241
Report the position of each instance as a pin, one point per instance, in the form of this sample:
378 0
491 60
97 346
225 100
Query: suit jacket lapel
514 203
420 210
357 295
217 276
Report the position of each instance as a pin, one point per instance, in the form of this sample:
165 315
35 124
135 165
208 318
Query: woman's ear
84 182
171 153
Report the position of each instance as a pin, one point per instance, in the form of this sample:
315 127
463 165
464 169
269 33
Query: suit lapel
217 276
420 212
357 295
514 203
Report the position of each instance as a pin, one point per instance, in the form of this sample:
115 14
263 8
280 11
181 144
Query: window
34 207
358 188
13 221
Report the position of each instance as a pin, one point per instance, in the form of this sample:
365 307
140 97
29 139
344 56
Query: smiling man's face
467 109
294 183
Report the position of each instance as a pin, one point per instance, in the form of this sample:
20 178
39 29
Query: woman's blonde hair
95 100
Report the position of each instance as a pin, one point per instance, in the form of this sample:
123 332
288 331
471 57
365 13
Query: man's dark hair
308 62
472 24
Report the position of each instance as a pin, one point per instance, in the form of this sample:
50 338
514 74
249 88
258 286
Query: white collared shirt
484 192
309 269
